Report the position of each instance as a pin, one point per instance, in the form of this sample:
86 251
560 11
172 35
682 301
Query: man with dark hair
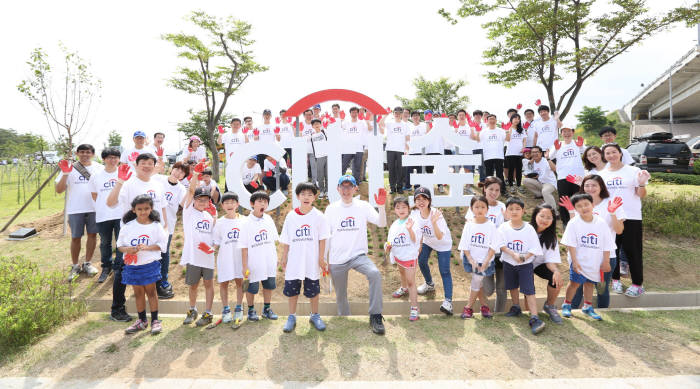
74 180
353 131
233 142
607 135
131 153
210 185
529 128
285 134
546 129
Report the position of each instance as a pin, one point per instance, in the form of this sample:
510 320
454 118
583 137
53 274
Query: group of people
600 207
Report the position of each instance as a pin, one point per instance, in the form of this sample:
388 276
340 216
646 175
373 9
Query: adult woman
567 153
593 160
514 153
629 183
194 151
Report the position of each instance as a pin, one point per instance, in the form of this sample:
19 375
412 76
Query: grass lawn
623 345
47 203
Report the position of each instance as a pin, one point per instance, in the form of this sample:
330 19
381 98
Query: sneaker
376 322
139 325
252 315
446 307
400 292
521 190
511 189
156 327
106 271
291 323
617 287
74 273
89 269
467 313
164 294
514 311
536 325
591 313
486 312
634 291
237 318
120 316
205 319
624 268
191 317
226 317
413 315
426 288
566 310
318 323
268 314
551 310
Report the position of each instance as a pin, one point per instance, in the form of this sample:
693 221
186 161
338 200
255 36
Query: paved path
688 382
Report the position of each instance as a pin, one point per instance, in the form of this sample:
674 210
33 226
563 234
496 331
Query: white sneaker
89 269
74 273
617 287
227 317
425 288
446 307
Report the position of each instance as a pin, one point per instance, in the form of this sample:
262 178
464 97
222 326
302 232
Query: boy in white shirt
251 174
588 241
211 185
259 254
303 241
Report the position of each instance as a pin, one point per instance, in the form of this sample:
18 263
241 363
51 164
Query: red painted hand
579 141
342 115
614 204
133 156
526 125
380 197
159 151
123 172
518 106
557 144
221 129
66 167
538 102
130 259
565 202
277 130
211 209
205 248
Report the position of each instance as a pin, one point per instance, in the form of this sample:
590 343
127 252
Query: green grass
672 210
12 197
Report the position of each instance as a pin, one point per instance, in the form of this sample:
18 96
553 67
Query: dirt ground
628 344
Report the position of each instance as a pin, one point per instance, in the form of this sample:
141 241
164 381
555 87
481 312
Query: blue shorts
268 284
312 288
521 276
579 278
468 267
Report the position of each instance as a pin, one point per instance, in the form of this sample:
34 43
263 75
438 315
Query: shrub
676 216
696 168
32 302
676 178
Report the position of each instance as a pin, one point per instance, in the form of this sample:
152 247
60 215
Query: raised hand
565 202
123 172
556 114
614 204
277 120
342 115
324 124
409 223
130 259
477 127
526 125
289 119
574 179
435 215
379 117
557 144
256 132
277 130
361 115
245 130
443 115
332 119
133 156
380 197
643 177
579 141
388 110
66 167
221 129
518 106
205 248
211 209
198 168
538 102
159 151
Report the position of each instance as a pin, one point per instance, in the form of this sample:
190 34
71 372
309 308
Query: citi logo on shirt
168 196
203 225
396 130
400 239
546 128
516 245
479 238
347 222
463 131
589 240
234 233
615 181
569 153
109 184
493 137
261 236
304 230
353 130
142 239
151 193
427 231
492 218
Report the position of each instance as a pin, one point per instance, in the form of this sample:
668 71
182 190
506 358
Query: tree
197 125
441 95
563 40
222 64
13 144
114 138
592 119
67 104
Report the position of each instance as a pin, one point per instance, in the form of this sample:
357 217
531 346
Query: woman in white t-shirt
546 266
593 160
514 153
251 174
569 165
629 183
194 151
492 140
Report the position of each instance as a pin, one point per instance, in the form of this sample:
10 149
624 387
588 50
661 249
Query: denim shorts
268 284
81 222
519 277
312 288
468 267
579 278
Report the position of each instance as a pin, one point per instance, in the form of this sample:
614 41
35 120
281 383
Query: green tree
222 62
591 119
441 95
197 125
13 144
563 41
114 138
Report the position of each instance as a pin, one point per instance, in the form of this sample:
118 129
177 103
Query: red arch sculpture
334 94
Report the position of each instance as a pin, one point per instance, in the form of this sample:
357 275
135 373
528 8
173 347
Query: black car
659 152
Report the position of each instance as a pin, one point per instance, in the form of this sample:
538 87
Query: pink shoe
139 325
467 313
156 327
486 312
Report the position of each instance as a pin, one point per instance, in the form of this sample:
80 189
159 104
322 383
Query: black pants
271 183
118 289
631 242
393 162
407 173
514 164
107 229
494 167
565 188
356 160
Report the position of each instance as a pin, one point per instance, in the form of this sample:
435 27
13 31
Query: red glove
557 144
325 124
388 110
245 130
133 156
518 106
428 117
221 129
455 124
478 127
469 118
254 184
526 125
198 168
574 179
443 115
361 116
268 173
301 126
538 102
159 151
379 117
123 172
566 203
579 141
509 125
277 130
130 259
332 119
342 115
211 209
256 132
289 119
380 197
205 248
65 166
503 125
614 204
277 120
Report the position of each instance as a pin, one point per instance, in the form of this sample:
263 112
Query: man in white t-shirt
607 135
80 208
130 154
529 127
546 129
541 180
348 218
232 141
285 136
397 137
158 139
416 130
354 130
319 152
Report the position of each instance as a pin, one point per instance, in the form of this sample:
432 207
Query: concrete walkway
689 382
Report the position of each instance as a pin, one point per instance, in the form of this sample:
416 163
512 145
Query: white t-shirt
478 238
548 256
402 247
601 210
319 144
302 233
396 133
258 235
492 142
248 173
354 134
465 132
134 187
623 183
232 142
134 233
268 166
229 264
515 145
126 154
102 183
547 132
286 135
494 214
544 172
425 226
522 241
415 132
591 240
348 225
568 159
267 132
530 139
78 190
197 155
173 195
198 227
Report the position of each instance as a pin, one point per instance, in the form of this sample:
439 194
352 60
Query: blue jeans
602 289
107 229
165 265
443 265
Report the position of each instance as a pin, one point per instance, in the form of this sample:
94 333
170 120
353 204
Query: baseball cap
139 133
317 106
422 191
267 112
195 137
255 157
202 191
347 178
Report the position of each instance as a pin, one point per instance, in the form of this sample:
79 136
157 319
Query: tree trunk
211 145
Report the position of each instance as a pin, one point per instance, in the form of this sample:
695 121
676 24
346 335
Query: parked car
659 152
172 158
51 157
694 144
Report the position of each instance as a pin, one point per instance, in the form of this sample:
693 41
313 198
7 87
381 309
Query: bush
696 168
677 216
32 302
676 178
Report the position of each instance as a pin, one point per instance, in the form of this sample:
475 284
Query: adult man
353 131
546 129
232 142
607 135
416 130
397 137
285 136
539 177
348 218
158 139
529 127
74 180
317 111
130 154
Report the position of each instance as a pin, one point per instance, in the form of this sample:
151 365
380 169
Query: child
198 219
303 241
251 174
546 266
520 245
141 239
480 240
588 242
228 261
259 255
403 244
211 185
